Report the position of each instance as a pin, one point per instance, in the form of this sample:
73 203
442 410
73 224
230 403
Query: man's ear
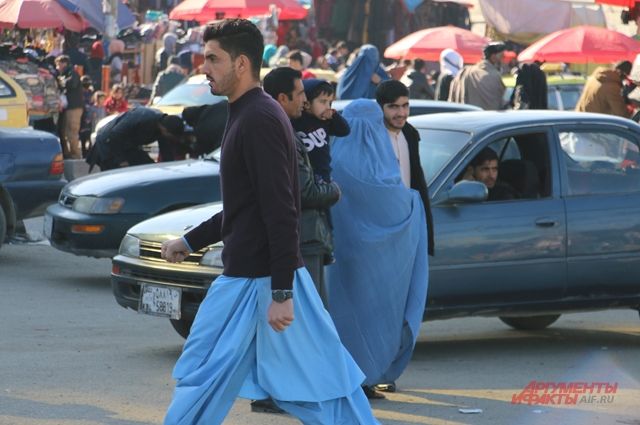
242 63
282 98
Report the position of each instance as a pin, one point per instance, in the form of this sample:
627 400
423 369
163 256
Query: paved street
70 355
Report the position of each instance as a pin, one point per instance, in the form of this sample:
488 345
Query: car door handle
546 222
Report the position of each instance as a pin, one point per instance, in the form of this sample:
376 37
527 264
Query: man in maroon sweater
244 340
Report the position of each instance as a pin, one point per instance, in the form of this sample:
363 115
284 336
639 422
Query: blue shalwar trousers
233 351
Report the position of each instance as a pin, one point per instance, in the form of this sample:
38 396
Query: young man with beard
393 98
244 340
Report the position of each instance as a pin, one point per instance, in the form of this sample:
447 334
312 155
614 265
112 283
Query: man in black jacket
393 98
119 143
71 88
285 86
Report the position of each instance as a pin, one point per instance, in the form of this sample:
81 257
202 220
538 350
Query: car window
189 95
523 167
438 147
5 89
600 162
570 95
552 98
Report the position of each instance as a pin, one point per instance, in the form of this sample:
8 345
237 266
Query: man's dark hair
493 48
173 124
624 67
63 59
281 80
486 154
296 55
418 64
389 91
238 37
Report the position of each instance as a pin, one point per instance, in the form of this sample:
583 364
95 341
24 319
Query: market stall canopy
428 43
625 3
91 11
509 20
208 10
582 44
27 14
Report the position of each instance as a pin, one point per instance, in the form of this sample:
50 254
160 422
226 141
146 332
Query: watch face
278 296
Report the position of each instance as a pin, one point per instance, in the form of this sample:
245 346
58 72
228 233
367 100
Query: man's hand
174 251
280 315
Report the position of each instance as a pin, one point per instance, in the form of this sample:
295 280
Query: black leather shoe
387 388
265 406
372 394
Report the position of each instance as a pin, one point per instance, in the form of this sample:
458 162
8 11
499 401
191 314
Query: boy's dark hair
418 64
238 37
390 90
486 154
314 88
281 80
296 55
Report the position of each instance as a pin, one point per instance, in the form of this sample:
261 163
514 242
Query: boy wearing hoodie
317 123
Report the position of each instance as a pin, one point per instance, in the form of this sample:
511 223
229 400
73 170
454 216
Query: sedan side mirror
466 192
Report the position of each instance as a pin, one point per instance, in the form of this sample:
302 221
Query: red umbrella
428 43
208 10
38 14
625 3
582 44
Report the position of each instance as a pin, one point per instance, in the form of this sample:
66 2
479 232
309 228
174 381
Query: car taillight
57 165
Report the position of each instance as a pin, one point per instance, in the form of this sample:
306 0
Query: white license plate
161 301
47 226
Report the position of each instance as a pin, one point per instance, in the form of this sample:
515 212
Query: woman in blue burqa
378 284
362 76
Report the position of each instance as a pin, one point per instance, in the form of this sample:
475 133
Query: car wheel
182 326
530 323
3 226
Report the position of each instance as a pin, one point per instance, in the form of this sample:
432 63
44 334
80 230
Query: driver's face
487 173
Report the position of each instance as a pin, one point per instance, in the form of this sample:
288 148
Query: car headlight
94 205
130 246
213 258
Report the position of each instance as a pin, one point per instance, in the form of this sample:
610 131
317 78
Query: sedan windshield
438 147
189 95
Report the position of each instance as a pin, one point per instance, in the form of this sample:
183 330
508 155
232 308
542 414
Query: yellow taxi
13 103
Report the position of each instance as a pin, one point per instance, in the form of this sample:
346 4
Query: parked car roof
480 121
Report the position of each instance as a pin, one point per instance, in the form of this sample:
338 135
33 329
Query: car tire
182 326
3 226
530 323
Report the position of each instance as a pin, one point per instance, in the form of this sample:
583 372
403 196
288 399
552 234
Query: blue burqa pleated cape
378 284
356 83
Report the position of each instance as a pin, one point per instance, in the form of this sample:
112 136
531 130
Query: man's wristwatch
281 295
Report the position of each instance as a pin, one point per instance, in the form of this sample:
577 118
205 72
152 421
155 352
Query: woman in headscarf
169 41
451 64
279 58
378 284
361 77
267 54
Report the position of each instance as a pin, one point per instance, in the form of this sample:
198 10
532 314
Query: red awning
625 3
428 43
208 10
582 44
38 14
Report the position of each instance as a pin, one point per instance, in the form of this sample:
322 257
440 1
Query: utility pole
110 10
